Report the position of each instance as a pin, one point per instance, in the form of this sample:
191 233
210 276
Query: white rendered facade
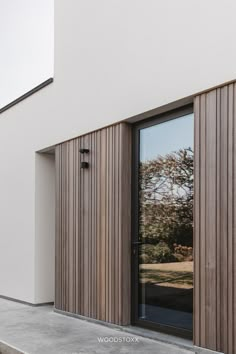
113 60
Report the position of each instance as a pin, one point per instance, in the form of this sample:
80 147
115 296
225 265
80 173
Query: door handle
137 243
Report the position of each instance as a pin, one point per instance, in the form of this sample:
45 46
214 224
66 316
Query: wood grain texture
93 225
215 220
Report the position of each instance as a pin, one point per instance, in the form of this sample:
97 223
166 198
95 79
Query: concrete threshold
178 342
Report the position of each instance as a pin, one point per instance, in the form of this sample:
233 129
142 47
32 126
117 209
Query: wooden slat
58 232
98 224
116 211
218 220
93 222
125 217
230 219
202 169
70 226
77 223
234 220
224 217
210 240
196 322
214 220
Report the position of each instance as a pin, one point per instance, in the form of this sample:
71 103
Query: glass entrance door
163 240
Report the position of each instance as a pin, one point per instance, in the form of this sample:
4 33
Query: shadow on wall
44 227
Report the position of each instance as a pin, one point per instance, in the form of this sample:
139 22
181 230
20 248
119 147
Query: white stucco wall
113 59
26 38
44 276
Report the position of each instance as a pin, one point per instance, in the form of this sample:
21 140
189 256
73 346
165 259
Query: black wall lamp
84 164
84 151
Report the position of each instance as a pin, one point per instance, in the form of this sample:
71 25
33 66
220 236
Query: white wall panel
113 59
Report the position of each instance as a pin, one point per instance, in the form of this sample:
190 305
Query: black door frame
177 113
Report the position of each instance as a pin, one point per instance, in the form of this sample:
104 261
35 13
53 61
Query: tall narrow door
163 238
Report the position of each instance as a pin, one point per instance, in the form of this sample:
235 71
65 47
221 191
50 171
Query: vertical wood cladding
93 222
215 220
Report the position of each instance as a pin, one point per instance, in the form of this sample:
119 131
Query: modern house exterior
117 185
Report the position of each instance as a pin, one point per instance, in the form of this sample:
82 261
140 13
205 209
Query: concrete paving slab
39 330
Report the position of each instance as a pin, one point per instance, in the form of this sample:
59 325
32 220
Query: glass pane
166 223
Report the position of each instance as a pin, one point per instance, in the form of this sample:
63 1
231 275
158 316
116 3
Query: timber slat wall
215 220
93 221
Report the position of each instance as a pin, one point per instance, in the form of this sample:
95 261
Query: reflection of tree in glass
166 199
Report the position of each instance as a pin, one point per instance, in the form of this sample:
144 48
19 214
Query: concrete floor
39 330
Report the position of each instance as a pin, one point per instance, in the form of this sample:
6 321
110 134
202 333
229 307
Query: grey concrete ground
39 330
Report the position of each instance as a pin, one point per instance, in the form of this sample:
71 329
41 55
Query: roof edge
27 94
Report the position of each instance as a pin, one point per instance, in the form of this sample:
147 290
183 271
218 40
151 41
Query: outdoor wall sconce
84 151
84 164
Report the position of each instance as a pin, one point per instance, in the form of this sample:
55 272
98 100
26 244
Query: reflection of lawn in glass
177 274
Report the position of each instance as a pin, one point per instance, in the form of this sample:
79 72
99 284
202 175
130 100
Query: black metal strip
27 94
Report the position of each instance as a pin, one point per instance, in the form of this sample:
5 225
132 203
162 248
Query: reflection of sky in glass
167 137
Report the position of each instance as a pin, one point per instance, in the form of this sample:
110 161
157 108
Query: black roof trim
27 94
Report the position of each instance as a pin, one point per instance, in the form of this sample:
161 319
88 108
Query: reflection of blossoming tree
166 199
